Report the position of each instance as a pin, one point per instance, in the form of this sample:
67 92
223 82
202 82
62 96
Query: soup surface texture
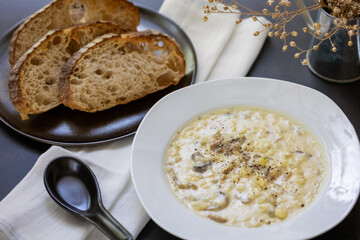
244 166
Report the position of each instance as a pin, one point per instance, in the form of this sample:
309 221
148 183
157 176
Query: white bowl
310 107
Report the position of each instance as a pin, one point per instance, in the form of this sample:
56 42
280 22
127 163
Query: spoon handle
110 226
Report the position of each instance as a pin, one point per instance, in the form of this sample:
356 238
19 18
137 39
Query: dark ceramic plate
63 126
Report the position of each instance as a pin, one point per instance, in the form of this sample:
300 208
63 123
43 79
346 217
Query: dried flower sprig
347 9
280 12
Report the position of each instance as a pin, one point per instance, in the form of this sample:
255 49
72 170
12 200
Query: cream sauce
245 166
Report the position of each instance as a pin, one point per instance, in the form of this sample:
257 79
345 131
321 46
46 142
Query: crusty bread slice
114 70
34 80
66 13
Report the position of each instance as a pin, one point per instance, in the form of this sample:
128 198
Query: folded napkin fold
223 49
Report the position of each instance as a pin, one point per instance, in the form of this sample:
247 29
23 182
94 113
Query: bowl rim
243 80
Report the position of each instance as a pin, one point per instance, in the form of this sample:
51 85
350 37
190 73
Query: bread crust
69 67
92 15
14 39
16 96
14 83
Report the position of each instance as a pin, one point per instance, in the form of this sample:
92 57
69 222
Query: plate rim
183 235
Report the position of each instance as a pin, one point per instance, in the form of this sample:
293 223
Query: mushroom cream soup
245 167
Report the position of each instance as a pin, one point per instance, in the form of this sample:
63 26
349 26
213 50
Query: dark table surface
18 153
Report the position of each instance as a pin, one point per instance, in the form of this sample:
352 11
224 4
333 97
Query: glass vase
341 64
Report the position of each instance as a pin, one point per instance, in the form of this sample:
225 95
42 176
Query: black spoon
73 185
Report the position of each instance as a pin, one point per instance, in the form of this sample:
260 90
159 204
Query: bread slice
34 80
66 13
114 70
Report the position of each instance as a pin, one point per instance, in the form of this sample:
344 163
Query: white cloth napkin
223 50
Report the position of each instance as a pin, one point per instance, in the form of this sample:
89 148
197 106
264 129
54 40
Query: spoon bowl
72 184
